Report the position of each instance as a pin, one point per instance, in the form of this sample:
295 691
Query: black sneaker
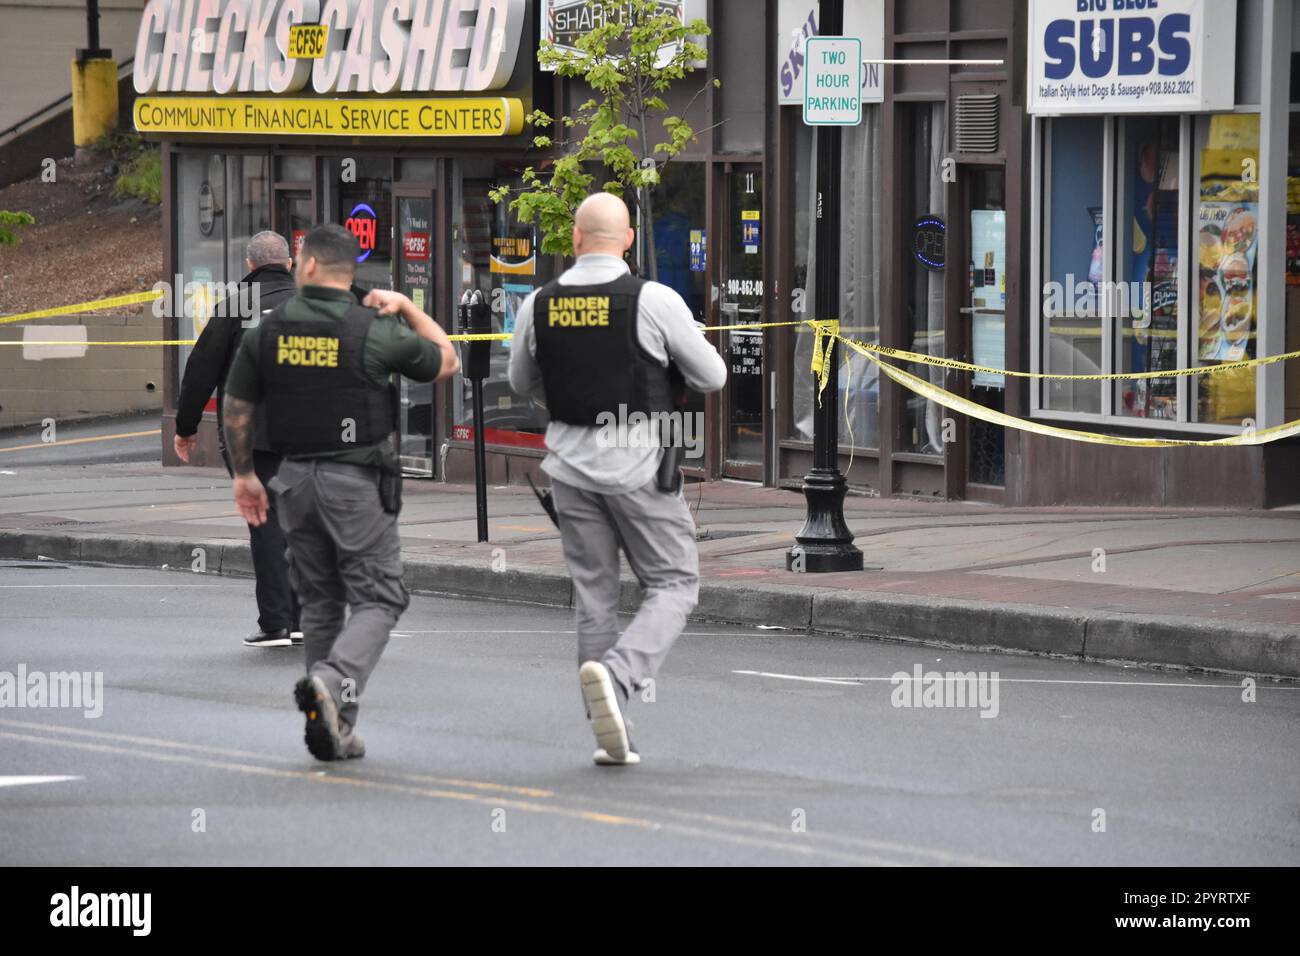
322 733
280 638
602 696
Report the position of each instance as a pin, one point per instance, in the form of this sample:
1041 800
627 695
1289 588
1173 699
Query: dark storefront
958 205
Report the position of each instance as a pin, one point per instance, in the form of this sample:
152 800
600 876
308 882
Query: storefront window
1074 227
249 206
925 206
987 311
681 245
1293 269
1129 301
860 260
200 241
493 253
1227 218
359 196
293 169
1145 300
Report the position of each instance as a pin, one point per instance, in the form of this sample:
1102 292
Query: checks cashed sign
295 55
1131 56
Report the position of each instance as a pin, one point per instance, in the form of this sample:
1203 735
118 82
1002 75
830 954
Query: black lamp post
825 543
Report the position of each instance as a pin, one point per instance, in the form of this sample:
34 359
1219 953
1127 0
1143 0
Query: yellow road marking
228 752
82 441
802 848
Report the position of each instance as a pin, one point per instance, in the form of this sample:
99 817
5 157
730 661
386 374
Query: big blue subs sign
1131 56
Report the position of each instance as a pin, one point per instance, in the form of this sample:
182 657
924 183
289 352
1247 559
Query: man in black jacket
267 284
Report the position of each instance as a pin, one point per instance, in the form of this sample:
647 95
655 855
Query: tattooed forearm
238 415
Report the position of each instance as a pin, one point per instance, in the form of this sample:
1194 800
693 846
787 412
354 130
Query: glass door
741 302
295 214
414 259
985 310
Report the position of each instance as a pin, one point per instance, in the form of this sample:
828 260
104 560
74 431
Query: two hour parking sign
833 77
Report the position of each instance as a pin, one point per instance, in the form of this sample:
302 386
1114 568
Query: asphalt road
101 441
479 752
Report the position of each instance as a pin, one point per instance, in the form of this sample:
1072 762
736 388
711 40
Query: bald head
600 226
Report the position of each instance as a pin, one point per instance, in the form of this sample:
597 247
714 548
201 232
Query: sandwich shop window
1148 249
1293 256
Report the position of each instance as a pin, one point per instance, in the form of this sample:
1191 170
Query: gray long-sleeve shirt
577 455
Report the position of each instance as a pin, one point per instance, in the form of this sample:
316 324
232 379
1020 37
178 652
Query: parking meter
474 318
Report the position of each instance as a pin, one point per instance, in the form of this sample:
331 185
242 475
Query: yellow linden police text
307 350
578 311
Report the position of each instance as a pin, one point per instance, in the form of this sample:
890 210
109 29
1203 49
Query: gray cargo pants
657 533
344 552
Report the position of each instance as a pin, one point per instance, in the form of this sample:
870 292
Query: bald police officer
324 367
597 343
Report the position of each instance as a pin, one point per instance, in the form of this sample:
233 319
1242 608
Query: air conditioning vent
977 123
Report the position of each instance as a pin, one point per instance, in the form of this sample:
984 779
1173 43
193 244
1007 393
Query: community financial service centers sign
219 50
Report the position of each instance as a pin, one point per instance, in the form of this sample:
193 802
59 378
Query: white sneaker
602 759
603 706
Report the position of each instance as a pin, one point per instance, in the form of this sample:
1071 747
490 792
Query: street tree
639 50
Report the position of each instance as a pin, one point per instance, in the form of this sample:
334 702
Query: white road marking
533 630
21 781
169 587
810 680
852 681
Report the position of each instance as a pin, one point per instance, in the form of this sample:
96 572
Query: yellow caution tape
974 410
133 299
827 332
821 349
940 362
75 342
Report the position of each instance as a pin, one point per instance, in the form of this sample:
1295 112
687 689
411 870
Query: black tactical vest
314 381
589 353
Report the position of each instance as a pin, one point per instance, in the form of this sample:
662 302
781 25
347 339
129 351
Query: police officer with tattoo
599 344
324 366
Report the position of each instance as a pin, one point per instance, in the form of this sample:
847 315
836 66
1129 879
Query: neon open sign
364 227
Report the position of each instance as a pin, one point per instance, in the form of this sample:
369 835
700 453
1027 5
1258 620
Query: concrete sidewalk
1217 590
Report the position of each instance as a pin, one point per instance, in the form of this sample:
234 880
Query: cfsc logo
1123 45
363 223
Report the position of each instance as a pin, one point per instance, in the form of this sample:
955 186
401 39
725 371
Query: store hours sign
1131 56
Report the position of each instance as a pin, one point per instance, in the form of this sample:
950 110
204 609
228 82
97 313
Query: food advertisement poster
1228 231
1229 240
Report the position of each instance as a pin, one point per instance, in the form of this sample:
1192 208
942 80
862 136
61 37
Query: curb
1230 646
